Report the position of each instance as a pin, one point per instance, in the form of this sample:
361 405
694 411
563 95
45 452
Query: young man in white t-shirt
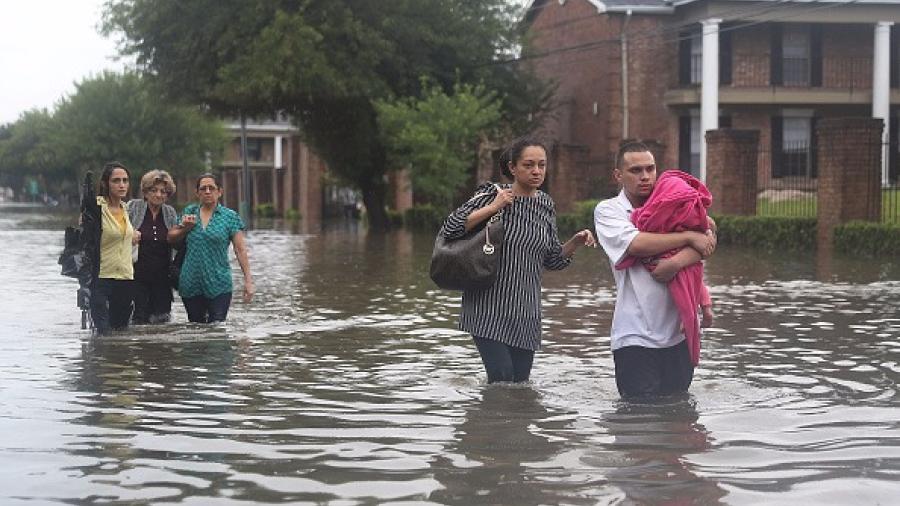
648 343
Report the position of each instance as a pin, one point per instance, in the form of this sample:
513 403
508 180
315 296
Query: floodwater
346 383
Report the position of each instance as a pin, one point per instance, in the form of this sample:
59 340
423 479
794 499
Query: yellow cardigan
115 244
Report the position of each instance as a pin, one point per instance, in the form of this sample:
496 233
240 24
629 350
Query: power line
753 10
617 40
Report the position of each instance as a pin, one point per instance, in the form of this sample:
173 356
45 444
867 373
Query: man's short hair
629 147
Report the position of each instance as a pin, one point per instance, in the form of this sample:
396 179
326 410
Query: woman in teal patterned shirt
205 282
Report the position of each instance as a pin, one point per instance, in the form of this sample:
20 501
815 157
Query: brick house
665 71
284 172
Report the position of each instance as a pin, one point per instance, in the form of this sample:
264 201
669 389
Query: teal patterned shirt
206 270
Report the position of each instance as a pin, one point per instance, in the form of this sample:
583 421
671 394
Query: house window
796 139
696 58
690 56
696 137
795 61
254 149
690 140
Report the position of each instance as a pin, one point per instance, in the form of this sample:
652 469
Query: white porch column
276 166
279 163
709 88
881 88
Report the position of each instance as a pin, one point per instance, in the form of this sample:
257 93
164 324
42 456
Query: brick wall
568 179
847 56
759 119
580 75
849 172
731 170
751 51
594 76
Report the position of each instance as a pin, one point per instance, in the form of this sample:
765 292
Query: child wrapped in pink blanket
678 203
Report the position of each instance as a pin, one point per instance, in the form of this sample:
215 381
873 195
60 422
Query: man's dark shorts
644 371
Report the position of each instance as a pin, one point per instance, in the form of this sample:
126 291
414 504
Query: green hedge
580 218
767 232
424 217
265 211
395 218
867 238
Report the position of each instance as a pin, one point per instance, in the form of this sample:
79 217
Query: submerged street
345 382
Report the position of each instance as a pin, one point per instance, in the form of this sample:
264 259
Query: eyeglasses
207 188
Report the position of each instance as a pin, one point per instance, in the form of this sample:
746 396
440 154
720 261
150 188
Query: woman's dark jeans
111 304
152 299
503 362
202 310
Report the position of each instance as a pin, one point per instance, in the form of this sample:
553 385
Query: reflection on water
347 383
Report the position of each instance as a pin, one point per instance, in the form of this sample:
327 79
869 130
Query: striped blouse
510 310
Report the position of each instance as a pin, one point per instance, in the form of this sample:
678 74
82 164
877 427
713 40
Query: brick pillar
400 181
731 160
488 169
568 180
287 187
849 173
311 191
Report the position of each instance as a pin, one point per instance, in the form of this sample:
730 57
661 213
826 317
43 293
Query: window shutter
684 143
813 148
684 58
894 149
777 153
724 56
815 55
895 56
776 57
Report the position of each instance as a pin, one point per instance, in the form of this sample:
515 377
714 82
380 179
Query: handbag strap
482 194
488 247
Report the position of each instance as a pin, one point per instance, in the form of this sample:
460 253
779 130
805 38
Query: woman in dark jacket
152 219
505 319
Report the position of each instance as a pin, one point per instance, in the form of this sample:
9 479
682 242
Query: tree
326 62
25 149
437 136
121 117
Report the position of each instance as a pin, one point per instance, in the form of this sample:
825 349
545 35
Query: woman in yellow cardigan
111 295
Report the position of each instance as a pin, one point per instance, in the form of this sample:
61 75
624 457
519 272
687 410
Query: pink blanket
678 203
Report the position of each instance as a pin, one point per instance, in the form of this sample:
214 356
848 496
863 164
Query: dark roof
668 6
661 6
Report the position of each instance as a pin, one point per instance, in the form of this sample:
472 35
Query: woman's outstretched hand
584 238
581 238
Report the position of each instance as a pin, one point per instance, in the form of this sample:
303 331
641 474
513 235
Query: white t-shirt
645 313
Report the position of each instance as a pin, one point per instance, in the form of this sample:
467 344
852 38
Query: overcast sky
48 45
45 47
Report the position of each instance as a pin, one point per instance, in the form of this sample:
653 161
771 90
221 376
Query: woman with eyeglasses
208 228
111 293
153 219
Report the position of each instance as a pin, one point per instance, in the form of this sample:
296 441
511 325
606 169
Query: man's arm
667 268
648 244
